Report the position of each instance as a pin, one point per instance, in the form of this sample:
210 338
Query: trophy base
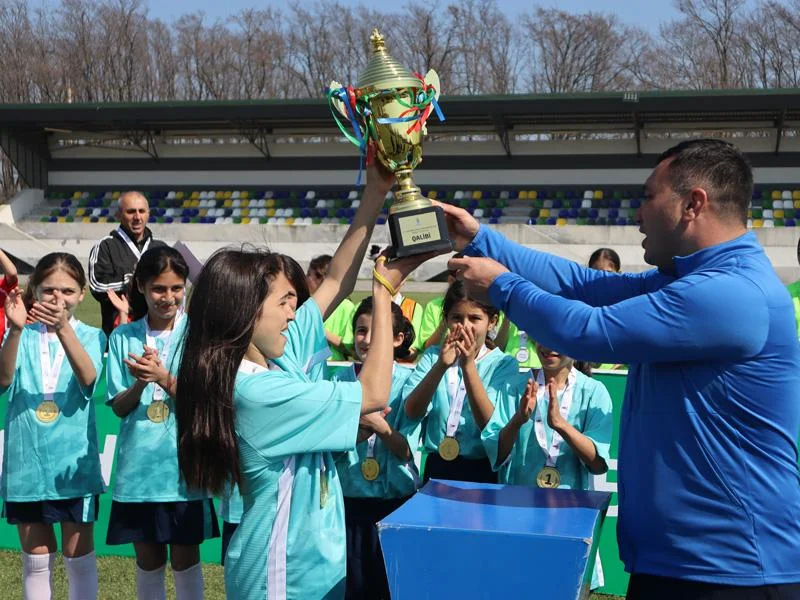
418 231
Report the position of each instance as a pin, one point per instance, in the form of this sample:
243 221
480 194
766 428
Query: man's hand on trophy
461 225
379 178
478 274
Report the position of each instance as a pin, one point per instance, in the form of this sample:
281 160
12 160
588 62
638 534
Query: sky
633 12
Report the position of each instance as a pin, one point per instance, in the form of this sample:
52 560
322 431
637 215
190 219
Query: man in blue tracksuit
709 490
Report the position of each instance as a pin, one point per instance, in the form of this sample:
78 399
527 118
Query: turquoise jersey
147 452
58 459
496 371
397 478
287 426
590 413
231 504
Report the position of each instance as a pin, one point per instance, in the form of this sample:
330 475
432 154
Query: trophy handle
335 102
432 79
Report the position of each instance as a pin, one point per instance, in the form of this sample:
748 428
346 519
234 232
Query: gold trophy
390 106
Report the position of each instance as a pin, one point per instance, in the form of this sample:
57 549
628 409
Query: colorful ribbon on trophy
359 135
360 129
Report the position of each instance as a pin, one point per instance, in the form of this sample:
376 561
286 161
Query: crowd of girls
231 398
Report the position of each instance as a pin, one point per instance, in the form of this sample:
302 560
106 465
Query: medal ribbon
50 370
566 402
158 392
371 445
128 242
457 391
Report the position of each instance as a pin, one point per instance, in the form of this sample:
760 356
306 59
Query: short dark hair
716 165
605 254
400 324
320 265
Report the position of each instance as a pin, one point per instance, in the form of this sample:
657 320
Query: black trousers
461 469
366 571
652 587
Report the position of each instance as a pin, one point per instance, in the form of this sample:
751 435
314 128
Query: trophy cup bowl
389 105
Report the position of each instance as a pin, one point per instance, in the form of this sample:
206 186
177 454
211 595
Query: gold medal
449 448
370 468
158 411
548 477
47 411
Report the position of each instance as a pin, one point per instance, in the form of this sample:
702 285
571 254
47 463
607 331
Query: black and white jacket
112 261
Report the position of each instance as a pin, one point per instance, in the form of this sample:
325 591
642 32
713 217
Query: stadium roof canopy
38 137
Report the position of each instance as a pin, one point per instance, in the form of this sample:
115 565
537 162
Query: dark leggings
366 571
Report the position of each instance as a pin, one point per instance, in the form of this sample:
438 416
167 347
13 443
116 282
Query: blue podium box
455 539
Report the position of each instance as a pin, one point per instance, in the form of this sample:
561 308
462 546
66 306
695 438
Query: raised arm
16 316
479 403
685 320
344 267
9 270
376 374
510 432
551 273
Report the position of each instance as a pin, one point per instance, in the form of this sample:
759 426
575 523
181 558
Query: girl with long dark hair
272 432
152 507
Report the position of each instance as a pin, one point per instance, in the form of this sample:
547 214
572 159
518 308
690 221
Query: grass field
117 579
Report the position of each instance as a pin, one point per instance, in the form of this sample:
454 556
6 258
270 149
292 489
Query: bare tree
715 23
578 52
422 37
487 57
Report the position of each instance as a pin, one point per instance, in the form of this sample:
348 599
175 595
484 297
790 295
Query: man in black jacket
113 260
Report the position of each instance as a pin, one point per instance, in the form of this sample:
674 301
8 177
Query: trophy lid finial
378 41
383 71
